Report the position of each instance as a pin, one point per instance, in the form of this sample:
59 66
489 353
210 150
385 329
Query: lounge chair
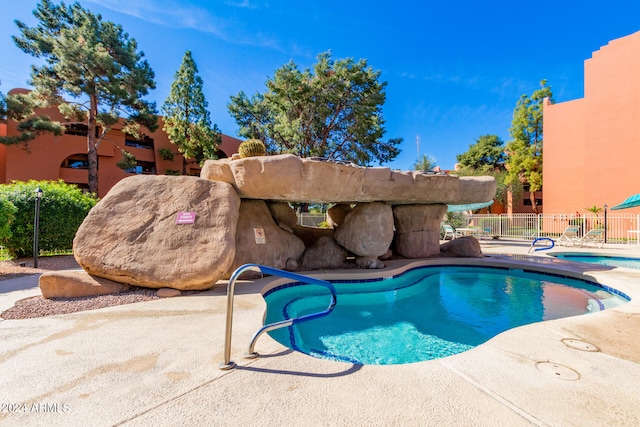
447 232
595 236
570 236
482 233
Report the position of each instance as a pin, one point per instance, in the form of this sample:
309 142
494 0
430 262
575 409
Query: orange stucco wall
42 158
592 145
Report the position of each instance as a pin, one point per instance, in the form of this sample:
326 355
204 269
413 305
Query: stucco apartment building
592 145
50 157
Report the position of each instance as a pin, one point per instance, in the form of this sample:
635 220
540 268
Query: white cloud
167 13
181 14
245 4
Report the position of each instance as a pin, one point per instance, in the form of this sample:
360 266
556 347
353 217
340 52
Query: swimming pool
612 261
427 312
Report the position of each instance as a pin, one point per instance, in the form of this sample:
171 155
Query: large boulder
75 284
465 247
284 215
417 232
367 230
259 240
325 253
309 235
133 234
337 213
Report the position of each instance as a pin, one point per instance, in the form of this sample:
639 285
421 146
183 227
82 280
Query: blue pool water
612 261
427 312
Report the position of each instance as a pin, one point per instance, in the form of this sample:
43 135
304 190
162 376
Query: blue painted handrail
544 248
228 364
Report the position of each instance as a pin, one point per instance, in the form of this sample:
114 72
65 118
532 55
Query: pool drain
579 344
558 371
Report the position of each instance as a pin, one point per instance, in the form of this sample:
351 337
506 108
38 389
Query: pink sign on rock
186 218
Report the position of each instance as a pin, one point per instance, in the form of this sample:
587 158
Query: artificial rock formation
133 236
259 240
417 230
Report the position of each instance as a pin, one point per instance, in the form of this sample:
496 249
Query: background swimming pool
426 313
613 261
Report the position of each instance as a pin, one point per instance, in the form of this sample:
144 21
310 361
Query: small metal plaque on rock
259 235
186 218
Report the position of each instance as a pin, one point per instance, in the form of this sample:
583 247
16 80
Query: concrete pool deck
156 363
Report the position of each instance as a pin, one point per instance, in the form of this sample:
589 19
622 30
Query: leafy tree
524 151
487 154
487 157
186 119
424 163
503 188
334 111
20 107
96 64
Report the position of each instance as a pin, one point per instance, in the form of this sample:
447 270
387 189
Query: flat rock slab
161 232
75 284
289 178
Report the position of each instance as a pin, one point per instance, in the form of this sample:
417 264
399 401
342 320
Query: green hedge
7 215
63 207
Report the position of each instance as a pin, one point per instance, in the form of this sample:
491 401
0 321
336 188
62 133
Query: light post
605 223
36 226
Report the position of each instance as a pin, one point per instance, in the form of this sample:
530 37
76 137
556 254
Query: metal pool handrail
228 363
543 248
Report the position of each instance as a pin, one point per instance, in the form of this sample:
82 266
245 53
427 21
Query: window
145 142
76 161
77 129
143 168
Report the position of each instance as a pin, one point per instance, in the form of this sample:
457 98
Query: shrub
63 207
455 219
7 215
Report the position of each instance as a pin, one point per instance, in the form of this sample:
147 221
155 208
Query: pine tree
186 119
97 65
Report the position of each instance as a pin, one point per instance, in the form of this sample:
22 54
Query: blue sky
454 69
